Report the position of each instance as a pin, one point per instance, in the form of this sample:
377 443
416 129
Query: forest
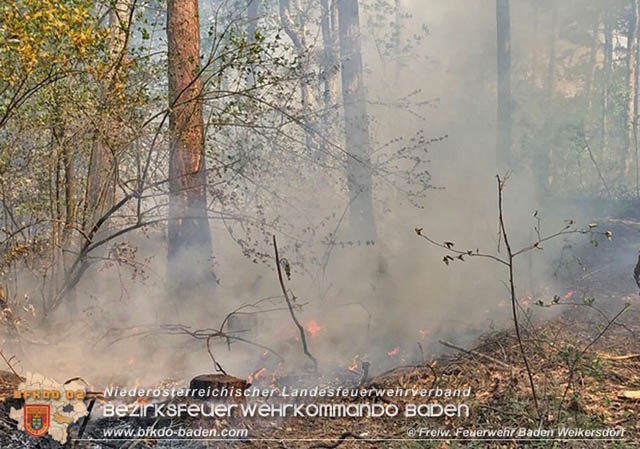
347 223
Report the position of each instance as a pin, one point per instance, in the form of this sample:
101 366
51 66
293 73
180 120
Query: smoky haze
355 299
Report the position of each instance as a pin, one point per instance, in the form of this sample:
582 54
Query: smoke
364 300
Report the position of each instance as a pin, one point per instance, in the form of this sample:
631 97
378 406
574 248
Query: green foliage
46 35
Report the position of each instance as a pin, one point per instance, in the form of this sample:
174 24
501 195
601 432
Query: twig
180 329
512 291
10 367
476 354
422 359
303 337
595 164
508 261
461 254
572 369
216 365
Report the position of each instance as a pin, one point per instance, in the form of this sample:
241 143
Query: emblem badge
36 419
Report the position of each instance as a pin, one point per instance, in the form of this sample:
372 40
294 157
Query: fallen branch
618 357
630 394
303 338
10 367
181 329
476 354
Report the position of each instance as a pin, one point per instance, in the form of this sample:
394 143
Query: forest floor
585 367
601 394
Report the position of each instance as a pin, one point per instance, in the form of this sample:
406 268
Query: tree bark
328 23
295 27
189 245
101 177
252 27
534 50
636 94
608 61
358 146
542 159
593 65
632 44
503 128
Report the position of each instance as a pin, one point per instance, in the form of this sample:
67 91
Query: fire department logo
36 419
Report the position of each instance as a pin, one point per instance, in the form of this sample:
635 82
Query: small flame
395 351
313 327
256 375
424 333
569 294
354 363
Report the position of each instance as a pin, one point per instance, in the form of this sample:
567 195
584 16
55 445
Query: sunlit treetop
46 35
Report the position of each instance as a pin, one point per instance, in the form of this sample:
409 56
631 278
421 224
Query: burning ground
580 342
585 368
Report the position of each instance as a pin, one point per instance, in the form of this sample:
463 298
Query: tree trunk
534 50
189 245
397 38
295 27
101 177
66 188
632 43
358 146
503 128
636 79
608 61
593 65
329 72
252 27
542 159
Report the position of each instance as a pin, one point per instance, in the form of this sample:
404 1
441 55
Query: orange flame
256 375
395 351
424 333
569 294
313 327
354 363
